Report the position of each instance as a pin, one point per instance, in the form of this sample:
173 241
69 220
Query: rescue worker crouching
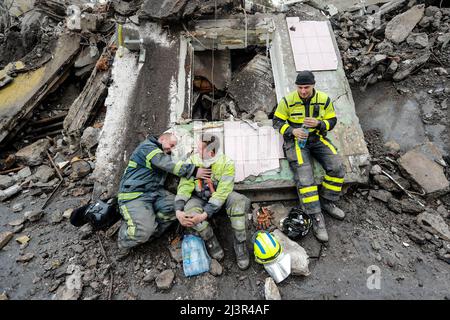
198 200
309 108
147 208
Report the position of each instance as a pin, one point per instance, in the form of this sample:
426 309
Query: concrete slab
143 100
28 89
421 163
252 87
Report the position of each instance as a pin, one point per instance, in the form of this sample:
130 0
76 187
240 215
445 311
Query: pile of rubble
413 183
220 95
374 46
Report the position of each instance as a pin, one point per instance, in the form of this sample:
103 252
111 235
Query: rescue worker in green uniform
147 208
312 110
197 200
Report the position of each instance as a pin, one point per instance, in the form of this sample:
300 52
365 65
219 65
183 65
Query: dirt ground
371 235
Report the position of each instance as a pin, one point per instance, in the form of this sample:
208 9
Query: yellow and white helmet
265 247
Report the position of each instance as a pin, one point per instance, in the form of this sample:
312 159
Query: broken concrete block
299 257
34 215
44 173
420 164
73 286
161 9
5 237
260 116
392 146
25 258
408 66
418 40
87 56
398 29
80 169
434 224
16 222
252 88
386 183
416 237
375 170
7 193
67 213
271 291
90 136
381 195
440 71
165 279
6 181
30 28
395 205
444 39
33 154
411 206
24 173
17 207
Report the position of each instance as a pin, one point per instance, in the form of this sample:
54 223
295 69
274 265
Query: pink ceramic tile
326 45
321 29
301 62
299 45
312 46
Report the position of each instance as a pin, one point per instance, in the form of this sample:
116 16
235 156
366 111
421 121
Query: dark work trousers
300 161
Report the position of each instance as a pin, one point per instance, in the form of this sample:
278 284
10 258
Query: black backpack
100 214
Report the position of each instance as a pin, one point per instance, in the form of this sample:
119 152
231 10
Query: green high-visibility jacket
222 177
292 111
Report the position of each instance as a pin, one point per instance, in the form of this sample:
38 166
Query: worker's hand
203 173
264 219
311 122
299 133
185 220
196 219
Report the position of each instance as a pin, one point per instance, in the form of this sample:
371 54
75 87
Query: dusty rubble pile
414 183
374 47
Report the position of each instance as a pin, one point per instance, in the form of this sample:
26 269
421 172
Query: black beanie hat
305 77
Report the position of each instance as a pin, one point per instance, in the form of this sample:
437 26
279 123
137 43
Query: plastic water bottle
195 257
302 142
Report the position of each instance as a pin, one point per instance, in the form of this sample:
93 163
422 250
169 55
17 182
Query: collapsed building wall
162 95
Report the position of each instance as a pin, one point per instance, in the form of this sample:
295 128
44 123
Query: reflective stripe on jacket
147 170
292 111
222 177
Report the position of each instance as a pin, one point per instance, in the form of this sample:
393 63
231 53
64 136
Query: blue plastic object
195 257
302 143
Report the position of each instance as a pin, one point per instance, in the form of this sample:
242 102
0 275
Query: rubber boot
212 244
319 228
242 256
330 208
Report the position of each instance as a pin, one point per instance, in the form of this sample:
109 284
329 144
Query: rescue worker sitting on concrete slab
307 113
197 200
147 208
